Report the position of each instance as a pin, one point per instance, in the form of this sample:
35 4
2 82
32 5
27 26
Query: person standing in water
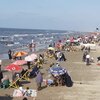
10 54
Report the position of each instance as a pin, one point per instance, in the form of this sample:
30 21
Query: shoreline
4 56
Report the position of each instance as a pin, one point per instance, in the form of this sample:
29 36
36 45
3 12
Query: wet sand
86 80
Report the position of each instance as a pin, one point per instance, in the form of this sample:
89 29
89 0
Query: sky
77 15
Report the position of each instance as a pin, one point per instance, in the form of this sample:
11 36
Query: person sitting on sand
5 82
15 78
34 71
48 82
27 92
30 93
18 92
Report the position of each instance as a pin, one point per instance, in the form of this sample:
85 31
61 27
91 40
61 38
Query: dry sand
86 80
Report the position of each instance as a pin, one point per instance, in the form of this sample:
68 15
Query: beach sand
86 80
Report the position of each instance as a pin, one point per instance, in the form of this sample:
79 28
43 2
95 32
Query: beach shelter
57 70
51 48
20 62
20 53
13 67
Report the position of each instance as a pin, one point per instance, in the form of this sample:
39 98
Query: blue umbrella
57 70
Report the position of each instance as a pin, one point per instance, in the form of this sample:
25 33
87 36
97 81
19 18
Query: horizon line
40 29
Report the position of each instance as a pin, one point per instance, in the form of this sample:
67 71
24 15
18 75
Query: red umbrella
19 62
13 67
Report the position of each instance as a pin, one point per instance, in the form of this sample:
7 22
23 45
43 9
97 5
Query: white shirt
87 56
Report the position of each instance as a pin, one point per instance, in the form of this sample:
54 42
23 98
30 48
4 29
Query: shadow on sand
4 71
25 82
6 97
43 87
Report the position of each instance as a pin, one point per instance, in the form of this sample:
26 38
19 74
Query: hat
17 75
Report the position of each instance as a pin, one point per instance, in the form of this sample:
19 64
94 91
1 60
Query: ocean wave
21 35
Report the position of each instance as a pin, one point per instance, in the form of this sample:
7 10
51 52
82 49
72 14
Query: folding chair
15 84
25 76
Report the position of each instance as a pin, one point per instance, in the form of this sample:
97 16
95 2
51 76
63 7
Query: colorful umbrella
57 70
13 67
20 53
51 48
20 62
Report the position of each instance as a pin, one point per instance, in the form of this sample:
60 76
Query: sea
19 39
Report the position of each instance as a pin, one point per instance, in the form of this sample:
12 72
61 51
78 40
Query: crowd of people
34 70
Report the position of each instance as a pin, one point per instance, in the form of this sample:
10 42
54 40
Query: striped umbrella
20 53
57 70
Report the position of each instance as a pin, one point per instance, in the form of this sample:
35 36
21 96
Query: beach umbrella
20 53
28 58
13 67
51 48
57 70
31 57
19 62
